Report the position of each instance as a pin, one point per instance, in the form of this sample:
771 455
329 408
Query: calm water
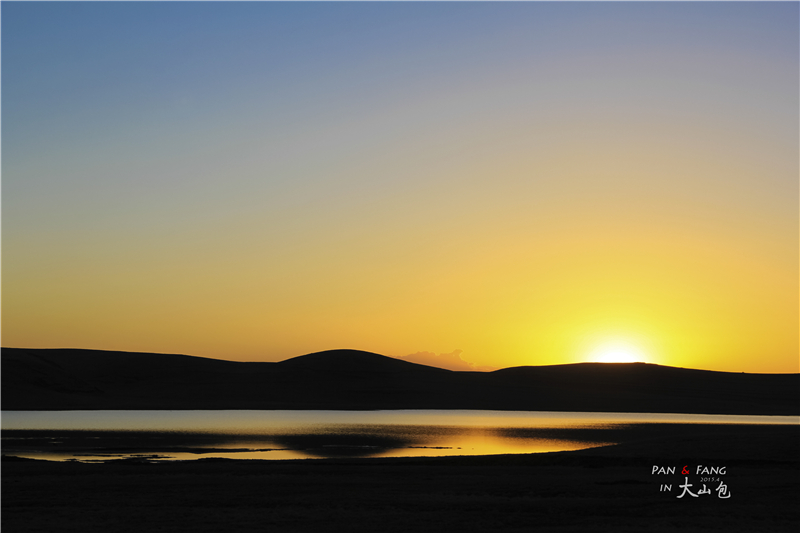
172 435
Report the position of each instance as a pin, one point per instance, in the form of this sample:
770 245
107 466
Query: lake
92 436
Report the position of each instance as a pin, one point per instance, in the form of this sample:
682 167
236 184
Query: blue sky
518 181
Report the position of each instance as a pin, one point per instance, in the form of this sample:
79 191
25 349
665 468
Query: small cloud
450 361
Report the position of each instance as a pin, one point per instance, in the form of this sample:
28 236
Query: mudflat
752 475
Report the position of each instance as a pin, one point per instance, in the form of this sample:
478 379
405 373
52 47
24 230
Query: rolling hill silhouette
53 379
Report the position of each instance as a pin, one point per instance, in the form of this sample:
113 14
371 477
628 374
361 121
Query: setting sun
617 353
484 186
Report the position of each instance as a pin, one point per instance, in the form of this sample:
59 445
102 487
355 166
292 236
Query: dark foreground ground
605 489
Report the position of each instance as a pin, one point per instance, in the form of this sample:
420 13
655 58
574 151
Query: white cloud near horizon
449 361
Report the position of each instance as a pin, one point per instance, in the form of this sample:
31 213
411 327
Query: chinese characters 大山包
722 490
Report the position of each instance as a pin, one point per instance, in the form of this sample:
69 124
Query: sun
616 353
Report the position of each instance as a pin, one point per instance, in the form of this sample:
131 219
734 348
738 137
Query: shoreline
609 488
264 437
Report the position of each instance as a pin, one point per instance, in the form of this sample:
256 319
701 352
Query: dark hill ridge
47 379
355 361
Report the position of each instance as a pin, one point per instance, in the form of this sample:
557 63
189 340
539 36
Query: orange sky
509 184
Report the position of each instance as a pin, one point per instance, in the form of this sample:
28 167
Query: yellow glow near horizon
619 352
515 195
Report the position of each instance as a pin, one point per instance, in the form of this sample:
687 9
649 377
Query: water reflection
177 435
339 441
346 444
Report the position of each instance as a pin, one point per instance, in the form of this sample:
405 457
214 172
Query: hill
47 379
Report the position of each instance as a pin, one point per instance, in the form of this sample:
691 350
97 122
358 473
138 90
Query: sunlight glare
616 353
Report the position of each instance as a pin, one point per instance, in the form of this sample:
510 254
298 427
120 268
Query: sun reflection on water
174 435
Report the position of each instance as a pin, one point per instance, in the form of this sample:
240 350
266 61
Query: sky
481 185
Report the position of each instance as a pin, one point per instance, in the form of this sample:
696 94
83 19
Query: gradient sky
508 184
